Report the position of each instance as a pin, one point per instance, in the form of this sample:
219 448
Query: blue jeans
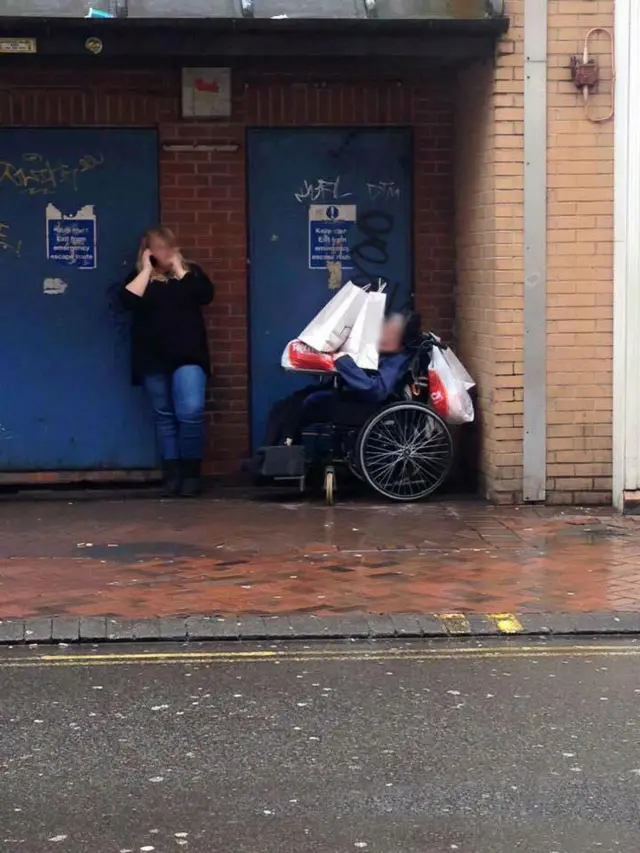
178 408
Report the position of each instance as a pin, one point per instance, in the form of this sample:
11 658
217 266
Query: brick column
580 263
489 205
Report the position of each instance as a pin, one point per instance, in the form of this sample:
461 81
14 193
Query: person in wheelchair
366 423
355 392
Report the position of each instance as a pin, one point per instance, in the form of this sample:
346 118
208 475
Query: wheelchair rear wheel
405 451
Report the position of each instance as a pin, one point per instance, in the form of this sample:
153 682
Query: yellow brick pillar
489 216
580 261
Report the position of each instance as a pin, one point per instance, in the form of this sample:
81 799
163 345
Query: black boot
191 483
172 484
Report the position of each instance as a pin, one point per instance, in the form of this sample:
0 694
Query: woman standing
170 353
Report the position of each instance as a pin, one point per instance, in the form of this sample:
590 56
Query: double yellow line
422 654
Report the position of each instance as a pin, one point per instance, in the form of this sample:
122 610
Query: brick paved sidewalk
140 558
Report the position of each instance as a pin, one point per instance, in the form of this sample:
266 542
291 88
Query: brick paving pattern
143 558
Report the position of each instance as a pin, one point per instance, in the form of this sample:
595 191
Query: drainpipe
534 463
626 295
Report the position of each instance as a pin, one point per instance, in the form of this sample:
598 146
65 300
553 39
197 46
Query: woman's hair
168 237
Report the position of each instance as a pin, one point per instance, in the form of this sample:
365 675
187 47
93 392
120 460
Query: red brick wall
203 194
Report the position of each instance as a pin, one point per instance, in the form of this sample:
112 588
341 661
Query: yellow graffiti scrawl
6 242
37 175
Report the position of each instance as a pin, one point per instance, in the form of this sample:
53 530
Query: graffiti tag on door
322 189
36 174
383 190
371 254
328 189
7 242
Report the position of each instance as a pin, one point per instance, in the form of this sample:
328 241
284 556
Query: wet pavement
141 558
375 748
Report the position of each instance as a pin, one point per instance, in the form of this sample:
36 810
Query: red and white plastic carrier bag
449 386
301 358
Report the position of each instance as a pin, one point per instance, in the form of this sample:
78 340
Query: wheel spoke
406 452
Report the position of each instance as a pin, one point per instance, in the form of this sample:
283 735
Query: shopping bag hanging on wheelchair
329 329
449 385
458 369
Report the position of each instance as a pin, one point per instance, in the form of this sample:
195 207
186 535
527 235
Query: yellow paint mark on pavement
508 623
456 624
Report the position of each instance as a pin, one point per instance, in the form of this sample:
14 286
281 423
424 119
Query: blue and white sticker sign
71 239
329 226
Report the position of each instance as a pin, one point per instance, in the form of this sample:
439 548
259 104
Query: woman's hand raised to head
178 266
139 284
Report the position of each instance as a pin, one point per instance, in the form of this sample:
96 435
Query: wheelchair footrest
286 461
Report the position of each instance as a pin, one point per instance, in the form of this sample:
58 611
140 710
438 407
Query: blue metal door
73 204
325 207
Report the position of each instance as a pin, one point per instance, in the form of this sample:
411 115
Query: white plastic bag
449 388
362 344
458 369
329 329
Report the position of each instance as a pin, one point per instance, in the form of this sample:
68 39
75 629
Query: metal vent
60 8
136 8
425 9
349 9
185 9
51 8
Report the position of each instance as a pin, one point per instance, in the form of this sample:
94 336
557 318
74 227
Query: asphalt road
384 749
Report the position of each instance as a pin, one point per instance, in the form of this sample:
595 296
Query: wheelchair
403 450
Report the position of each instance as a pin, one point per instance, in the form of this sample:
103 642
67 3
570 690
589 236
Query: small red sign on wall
206 92
207 86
